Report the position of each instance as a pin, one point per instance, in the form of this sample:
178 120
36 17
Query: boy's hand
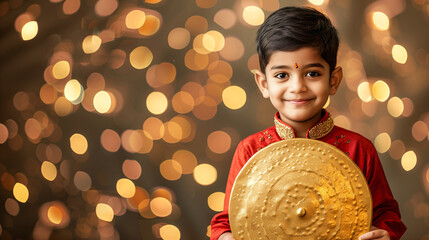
375 233
226 236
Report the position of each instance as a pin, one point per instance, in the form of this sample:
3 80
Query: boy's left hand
375 233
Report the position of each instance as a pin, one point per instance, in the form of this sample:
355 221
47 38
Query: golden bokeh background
119 119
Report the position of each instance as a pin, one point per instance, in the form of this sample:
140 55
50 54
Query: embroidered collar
321 129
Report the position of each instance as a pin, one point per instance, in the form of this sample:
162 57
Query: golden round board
300 189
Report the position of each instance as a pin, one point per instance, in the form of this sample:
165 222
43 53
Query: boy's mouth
298 101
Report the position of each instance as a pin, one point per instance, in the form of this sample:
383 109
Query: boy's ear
261 81
334 82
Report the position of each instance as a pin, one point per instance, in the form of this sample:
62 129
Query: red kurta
385 208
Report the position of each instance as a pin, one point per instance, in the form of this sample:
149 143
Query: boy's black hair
291 28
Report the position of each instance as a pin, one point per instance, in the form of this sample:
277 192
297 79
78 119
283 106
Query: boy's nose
297 84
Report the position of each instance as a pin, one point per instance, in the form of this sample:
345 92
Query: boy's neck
301 128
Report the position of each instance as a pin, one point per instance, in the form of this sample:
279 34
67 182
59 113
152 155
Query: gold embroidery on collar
316 132
321 129
283 131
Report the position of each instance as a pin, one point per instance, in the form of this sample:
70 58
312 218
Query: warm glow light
61 69
4 133
170 170
20 192
409 160
161 207
316 2
179 38
82 181
205 174
399 54
169 232
219 142
395 107
102 102
78 143
55 214
380 91
141 57
73 91
234 97
63 107
215 201
213 41
382 142
125 188
29 30
225 18
150 26
110 140
49 171
156 103
253 15
104 212
380 20
364 91
187 160
419 131
135 19
131 169
91 44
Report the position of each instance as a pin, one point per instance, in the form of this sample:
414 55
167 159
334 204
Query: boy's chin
299 117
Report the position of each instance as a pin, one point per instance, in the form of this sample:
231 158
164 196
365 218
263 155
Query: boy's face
298 84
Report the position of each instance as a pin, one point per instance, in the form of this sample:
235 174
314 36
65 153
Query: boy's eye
280 75
312 74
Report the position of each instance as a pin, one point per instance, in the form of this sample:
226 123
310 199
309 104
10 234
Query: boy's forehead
301 55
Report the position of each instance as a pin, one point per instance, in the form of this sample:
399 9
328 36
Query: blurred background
119 119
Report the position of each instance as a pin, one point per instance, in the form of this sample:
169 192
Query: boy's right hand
226 236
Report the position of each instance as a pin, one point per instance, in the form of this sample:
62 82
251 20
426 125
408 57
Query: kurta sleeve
386 213
220 222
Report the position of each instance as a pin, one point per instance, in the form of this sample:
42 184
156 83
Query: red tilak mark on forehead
296 65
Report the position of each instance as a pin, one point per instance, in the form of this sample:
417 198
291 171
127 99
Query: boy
297 50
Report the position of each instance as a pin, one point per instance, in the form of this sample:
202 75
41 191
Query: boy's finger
372 235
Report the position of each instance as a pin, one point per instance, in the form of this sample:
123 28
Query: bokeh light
169 232
91 44
380 91
215 201
73 91
395 107
234 97
382 142
141 57
78 143
171 170
205 174
135 19
409 160
82 181
49 171
380 20
156 103
20 192
399 54
29 30
219 142
125 188
61 69
253 15
179 38
102 102
161 207
364 91
104 212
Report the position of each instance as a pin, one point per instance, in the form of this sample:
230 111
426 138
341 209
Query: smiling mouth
298 101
